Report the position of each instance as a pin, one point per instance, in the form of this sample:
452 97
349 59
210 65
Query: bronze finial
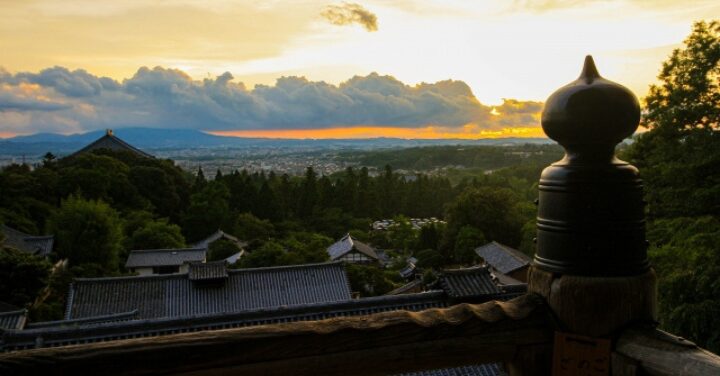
591 113
589 72
590 210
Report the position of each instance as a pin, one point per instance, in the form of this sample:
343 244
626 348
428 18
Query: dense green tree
200 180
679 159
87 232
430 258
208 211
100 177
157 234
154 184
308 194
249 227
468 238
401 234
686 256
222 249
307 247
430 235
680 156
370 280
271 253
268 206
493 211
22 276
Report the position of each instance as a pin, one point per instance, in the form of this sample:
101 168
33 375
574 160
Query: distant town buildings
416 223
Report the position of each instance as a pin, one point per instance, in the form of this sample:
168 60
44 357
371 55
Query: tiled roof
491 369
207 271
36 245
415 284
124 316
164 257
112 142
175 295
219 234
469 282
58 335
347 244
13 319
234 258
503 258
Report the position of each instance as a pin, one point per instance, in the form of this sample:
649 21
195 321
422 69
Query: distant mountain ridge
156 139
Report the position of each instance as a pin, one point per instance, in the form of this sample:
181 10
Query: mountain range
168 139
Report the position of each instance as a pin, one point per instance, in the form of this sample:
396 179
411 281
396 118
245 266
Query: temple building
32 244
164 261
111 142
349 249
505 260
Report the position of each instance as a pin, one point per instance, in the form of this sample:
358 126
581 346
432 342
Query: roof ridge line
169 250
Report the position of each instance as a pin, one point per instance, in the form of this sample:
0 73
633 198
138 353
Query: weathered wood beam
654 352
378 344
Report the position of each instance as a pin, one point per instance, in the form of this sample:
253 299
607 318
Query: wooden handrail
379 344
654 352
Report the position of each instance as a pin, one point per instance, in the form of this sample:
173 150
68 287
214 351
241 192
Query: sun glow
467 132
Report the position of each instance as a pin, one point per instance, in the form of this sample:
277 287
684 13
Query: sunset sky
395 68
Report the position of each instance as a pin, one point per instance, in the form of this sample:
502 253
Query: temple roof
207 271
36 245
164 257
111 142
176 295
468 282
13 319
503 258
217 235
347 244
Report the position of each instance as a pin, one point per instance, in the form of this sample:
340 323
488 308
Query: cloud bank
350 13
59 100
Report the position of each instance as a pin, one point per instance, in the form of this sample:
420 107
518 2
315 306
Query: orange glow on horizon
8 134
468 132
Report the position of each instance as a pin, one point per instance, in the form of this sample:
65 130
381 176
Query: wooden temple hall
589 309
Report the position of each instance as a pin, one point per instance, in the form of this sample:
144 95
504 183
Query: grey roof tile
468 282
13 319
176 295
164 257
97 329
217 235
503 258
207 271
36 245
346 244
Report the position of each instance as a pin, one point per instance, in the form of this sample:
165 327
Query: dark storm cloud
350 13
161 97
